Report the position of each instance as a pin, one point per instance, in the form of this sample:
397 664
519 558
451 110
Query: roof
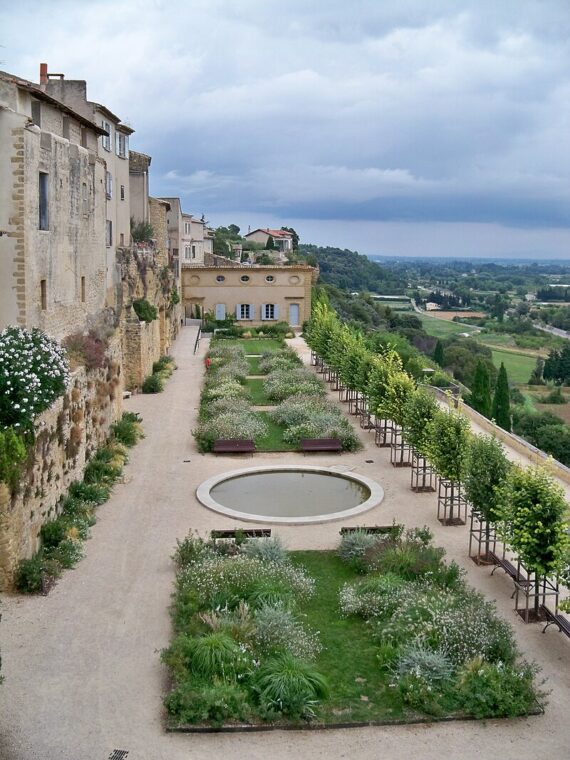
273 233
38 93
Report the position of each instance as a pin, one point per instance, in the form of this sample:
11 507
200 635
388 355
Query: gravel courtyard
82 670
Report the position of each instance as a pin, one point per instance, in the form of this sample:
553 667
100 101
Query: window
106 139
270 278
122 192
122 238
109 233
244 278
193 251
220 278
83 289
37 113
109 184
83 137
43 294
85 198
187 228
121 144
245 311
187 252
43 202
269 311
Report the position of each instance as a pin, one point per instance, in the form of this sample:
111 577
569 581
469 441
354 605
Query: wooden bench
233 446
320 444
554 619
510 570
373 529
247 533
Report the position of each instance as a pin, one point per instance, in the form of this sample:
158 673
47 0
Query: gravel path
82 668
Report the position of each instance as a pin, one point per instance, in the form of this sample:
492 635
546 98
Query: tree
294 235
399 389
419 410
501 410
536 375
447 439
438 353
486 470
481 392
533 522
270 245
234 230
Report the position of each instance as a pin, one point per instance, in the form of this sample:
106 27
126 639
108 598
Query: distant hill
350 270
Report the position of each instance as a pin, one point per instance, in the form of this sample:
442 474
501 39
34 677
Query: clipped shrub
287 685
144 310
153 384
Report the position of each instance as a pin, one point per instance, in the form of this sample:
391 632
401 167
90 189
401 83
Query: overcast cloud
392 126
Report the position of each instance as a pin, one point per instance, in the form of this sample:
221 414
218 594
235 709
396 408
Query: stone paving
82 668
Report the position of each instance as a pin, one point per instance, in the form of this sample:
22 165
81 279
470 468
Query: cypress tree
270 245
438 353
481 391
501 401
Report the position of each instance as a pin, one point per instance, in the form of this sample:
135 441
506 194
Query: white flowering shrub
278 630
283 359
227 388
220 582
309 417
242 424
33 373
283 383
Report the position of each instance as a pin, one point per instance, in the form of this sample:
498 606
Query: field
449 315
440 328
519 366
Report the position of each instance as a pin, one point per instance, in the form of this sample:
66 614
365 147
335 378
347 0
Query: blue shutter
263 311
220 311
252 311
276 311
237 310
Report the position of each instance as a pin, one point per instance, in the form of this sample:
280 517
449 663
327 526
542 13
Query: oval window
270 278
244 278
220 278
294 279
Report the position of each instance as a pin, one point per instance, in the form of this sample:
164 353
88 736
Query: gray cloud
401 110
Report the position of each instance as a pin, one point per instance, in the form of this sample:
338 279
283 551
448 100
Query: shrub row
62 538
443 646
310 417
161 371
240 651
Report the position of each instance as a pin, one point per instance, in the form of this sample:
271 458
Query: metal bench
562 622
233 446
320 444
500 562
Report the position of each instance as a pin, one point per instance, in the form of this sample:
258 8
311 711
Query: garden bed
381 632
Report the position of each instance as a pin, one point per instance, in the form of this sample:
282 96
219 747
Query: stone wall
67 435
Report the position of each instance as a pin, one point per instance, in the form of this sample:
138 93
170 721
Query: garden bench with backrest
372 529
554 618
248 533
321 444
515 574
233 446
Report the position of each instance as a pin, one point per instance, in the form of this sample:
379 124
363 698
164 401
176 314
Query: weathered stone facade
67 435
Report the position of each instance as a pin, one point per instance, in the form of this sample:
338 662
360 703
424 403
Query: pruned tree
419 410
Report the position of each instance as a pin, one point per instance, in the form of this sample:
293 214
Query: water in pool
290 494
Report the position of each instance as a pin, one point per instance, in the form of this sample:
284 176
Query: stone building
254 295
190 238
113 149
282 239
52 212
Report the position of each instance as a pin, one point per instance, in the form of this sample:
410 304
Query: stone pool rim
375 498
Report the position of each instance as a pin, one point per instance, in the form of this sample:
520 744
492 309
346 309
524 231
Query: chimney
43 73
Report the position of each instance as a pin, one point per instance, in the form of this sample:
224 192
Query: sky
391 127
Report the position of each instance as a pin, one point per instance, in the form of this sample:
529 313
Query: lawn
257 345
273 441
349 658
256 393
519 366
441 328
253 362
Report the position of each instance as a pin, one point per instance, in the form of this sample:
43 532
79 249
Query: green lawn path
273 441
348 652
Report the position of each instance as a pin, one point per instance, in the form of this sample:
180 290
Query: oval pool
290 494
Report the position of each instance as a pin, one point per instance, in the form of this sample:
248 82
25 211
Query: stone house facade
282 239
52 212
254 295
